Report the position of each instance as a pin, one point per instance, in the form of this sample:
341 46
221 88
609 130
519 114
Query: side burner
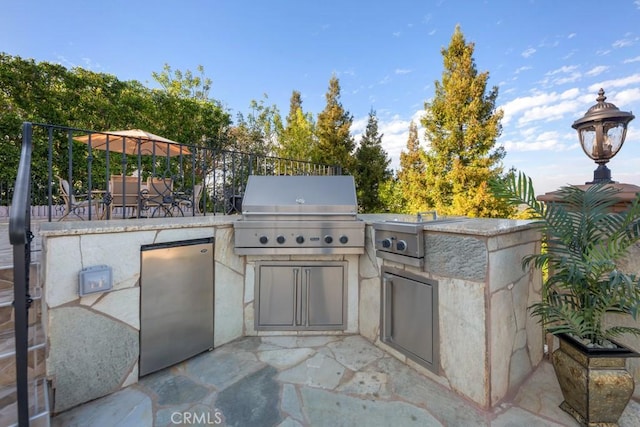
403 241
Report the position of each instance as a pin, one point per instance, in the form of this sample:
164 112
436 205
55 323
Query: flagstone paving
313 381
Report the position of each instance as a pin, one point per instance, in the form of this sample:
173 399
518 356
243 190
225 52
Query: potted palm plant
585 242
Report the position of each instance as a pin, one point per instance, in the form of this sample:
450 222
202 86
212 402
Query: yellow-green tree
296 140
461 126
412 175
333 130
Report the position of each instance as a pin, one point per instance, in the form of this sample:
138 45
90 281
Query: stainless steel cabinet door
278 295
301 296
325 288
410 317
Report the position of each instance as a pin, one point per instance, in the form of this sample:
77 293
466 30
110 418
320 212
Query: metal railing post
20 238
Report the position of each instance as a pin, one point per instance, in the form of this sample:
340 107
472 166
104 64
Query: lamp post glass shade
602 131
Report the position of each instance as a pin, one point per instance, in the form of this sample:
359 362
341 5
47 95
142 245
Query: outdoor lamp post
602 131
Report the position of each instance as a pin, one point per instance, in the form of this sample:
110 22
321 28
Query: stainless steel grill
284 215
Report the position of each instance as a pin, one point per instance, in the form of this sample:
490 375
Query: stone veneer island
488 343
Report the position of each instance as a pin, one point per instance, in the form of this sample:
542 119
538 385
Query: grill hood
299 195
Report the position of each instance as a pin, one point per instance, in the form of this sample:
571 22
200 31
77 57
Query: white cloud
396 34
622 82
563 69
526 103
630 60
563 75
549 113
628 97
572 35
521 69
546 141
358 126
527 53
597 70
622 43
568 79
403 71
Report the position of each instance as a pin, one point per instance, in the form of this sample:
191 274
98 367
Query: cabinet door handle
296 298
307 279
387 298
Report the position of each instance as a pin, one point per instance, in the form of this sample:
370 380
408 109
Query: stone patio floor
313 381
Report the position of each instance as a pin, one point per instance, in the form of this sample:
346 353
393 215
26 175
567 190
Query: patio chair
159 198
125 194
192 201
78 204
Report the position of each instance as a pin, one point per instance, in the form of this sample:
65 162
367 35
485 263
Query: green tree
257 133
412 175
462 125
184 85
297 138
370 169
50 93
333 130
185 99
391 195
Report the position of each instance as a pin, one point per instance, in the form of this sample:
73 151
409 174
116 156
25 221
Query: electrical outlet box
98 278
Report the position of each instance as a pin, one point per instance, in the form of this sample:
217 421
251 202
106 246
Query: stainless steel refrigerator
176 302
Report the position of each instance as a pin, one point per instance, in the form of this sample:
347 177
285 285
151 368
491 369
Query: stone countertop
119 225
458 225
475 226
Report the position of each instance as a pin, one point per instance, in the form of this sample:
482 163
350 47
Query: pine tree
333 130
462 125
370 170
412 174
296 141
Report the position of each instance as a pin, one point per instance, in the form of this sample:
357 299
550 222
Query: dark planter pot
595 384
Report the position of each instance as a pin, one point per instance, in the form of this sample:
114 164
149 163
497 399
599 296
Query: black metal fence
154 177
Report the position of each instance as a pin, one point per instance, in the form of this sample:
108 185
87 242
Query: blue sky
548 58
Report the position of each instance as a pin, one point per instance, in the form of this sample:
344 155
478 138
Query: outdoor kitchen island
487 342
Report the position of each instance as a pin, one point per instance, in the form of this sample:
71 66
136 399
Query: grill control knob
300 239
280 239
386 243
344 239
328 239
401 245
264 240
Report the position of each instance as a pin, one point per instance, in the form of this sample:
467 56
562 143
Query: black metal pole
20 237
21 326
